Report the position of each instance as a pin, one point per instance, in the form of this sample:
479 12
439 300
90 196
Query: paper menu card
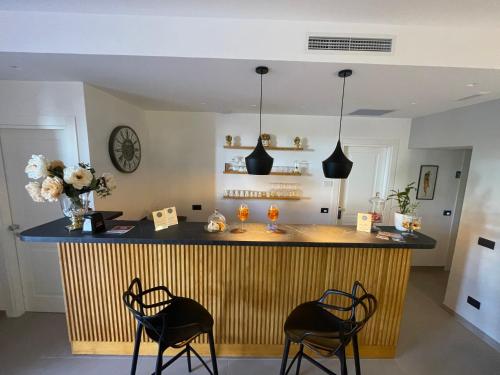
165 218
364 222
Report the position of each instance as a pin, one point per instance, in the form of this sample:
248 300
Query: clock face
125 149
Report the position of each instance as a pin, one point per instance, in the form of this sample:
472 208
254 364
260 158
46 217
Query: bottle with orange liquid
243 213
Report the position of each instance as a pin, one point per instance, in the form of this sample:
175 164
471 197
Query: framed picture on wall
427 182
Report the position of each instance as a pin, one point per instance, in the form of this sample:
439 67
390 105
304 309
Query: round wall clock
124 149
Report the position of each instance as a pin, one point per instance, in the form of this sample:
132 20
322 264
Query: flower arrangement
75 182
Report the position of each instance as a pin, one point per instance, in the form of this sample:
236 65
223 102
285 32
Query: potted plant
405 205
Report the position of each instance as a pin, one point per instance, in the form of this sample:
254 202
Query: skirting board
223 350
471 327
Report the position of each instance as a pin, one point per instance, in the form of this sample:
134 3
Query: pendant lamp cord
341 107
260 110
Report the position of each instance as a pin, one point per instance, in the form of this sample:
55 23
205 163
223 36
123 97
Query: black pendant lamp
259 162
338 165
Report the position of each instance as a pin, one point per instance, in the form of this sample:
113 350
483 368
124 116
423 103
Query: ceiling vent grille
350 44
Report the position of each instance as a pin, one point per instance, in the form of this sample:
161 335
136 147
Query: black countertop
256 235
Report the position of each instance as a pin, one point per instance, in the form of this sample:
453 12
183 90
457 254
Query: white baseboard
471 327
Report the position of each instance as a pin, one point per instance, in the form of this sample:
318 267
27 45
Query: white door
371 173
38 263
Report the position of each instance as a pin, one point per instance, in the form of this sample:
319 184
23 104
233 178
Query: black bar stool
314 325
175 322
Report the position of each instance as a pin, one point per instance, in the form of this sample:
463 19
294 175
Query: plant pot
398 221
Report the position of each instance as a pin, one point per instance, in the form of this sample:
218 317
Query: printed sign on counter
165 218
364 222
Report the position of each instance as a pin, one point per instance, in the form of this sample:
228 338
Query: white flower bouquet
73 182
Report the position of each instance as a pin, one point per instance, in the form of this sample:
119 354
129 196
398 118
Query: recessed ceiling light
413 103
484 92
253 105
471 84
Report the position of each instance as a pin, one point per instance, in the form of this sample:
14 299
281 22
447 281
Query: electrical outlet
196 207
447 213
473 302
486 243
324 210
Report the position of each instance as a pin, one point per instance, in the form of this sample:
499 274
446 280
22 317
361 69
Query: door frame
392 145
14 290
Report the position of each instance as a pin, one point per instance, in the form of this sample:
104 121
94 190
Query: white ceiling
187 84
462 13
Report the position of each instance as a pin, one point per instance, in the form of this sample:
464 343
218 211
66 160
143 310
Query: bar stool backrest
354 309
146 313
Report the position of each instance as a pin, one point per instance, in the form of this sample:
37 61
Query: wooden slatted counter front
249 282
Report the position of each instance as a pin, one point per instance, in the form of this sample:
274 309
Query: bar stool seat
310 317
184 318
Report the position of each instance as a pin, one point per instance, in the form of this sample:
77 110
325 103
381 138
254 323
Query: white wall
37 104
475 269
182 146
104 112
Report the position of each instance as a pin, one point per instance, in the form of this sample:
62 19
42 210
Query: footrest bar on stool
202 361
318 365
291 363
172 360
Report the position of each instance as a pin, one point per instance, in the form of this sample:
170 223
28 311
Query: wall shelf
275 148
272 173
266 198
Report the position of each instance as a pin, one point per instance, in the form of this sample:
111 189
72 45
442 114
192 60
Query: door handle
13 227
339 213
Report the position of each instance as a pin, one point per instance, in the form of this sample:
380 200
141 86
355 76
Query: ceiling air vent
371 112
350 44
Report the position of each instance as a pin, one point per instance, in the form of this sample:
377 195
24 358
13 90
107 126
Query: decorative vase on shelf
266 139
75 208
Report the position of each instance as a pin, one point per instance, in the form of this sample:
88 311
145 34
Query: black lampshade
337 165
259 162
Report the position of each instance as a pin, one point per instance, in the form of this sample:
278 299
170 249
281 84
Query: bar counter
249 282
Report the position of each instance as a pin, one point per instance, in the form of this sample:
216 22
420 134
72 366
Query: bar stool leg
159 360
212 352
188 354
136 348
285 356
299 359
355 350
343 362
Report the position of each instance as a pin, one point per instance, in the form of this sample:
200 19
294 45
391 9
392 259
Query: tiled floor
432 342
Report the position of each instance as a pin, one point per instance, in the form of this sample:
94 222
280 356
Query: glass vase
75 208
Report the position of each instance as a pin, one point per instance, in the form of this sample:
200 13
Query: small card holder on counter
364 222
165 218
93 223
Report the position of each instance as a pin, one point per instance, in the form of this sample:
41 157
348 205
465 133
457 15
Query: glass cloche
377 210
216 222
